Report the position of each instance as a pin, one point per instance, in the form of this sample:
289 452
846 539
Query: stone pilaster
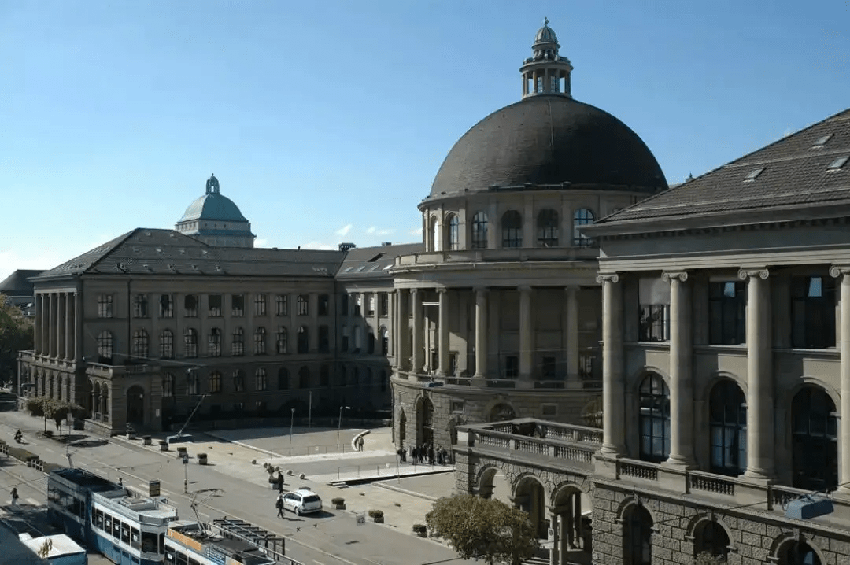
613 393
571 336
443 332
480 335
844 410
416 353
681 378
526 338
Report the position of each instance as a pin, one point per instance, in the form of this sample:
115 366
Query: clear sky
327 121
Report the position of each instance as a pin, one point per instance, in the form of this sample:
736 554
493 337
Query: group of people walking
424 454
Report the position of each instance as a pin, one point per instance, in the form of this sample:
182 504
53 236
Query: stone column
443 335
78 325
759 376
403 350
493 226
69 326
613 394
526 338
528 223
571 337
377 321
391 321
553 533
416 353
480 336
681 379
844 410
51 342
61 320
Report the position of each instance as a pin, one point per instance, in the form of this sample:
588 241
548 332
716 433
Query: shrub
420 529
337 500
376 514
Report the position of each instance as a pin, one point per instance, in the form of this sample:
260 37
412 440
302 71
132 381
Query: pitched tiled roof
18 283
372 262
788 174
166 252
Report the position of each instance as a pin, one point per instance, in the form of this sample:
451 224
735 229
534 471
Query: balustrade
711 483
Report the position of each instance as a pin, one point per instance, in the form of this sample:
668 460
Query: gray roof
549 140
374 262
781 178
145 251
214 207
18 283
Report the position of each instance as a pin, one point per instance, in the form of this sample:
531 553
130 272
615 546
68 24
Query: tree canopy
52 409
484 528
16 333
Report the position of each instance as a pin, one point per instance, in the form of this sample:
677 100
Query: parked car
301 501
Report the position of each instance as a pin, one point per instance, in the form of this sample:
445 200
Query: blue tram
128 530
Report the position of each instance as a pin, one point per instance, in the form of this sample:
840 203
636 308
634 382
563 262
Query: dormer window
837 164
752 175
821 141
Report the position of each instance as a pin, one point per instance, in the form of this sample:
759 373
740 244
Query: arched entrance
494 484
637 536
136 405
571 526
501 412
425 421
531 498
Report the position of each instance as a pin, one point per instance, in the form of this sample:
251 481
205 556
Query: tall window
637 536
815 448
454 224
192 382
511 229
259 304
239 381
582 217
237 305
280 341
357 299
324 304
167 385
813 312
654 309
140 344
511 366
303 340
190 306
166 344
237 345
727 302
383 304
215 382
324 376
261 379
385 342
303 305
344 344
358 338
479 231
547 228
190 342
140 306
434 233
304 377
104 306
281 306
104 348
324 339
214 343
260 341
215 305
283 378
728 425
371 304
654 419
166 306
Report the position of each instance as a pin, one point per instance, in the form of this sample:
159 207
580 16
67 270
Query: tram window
125 533
194 562
134 538
99 514
182 559
116 528
161 543
93 517
170 555
148 542
108 523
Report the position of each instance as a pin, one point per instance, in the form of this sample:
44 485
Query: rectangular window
344 345
371 305
303 305
104 306
215 382
654 309
324 339
324 304
727 302
383 304
281 305
192 382
547 368
166 306
511 366
812 312
343 305
260 305
237 305
190 306
215 305
140 306
357 304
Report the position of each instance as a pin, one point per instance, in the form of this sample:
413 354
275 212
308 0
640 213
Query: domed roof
545 34
213 206
548 139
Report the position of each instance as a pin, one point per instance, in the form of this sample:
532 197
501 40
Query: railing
780 496
571 433
711 483
637 470
579 454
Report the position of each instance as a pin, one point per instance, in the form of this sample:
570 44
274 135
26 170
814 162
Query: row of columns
414 346
760 409
56 317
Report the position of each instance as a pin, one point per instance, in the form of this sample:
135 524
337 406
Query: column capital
413 291
607 277
667 276
481 289
762 273
839 270
442 290
524 288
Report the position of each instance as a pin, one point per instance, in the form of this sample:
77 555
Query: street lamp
186 473
339 425
291 422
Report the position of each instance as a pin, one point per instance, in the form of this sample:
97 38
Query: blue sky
326 122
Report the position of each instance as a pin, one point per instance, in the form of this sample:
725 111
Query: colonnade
56 320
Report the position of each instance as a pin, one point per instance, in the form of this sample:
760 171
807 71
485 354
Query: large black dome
549 139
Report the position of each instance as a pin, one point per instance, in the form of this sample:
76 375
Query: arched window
140 344
303 305
303 340
304 377
261 380
260 341
167 385
215 382
214 342
711 538
654 419
454 225
166 344
237 346
239 381
479 231
637 536
815 460
728 424
799 552
280 341
547 228
282 378
190 342
582 217
104 348
511 229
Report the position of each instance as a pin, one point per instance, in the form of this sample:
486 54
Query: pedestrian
280 482
431 454
414 454
120 482
362 441
14 496
279 506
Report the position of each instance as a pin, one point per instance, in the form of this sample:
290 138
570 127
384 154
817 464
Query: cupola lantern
546 72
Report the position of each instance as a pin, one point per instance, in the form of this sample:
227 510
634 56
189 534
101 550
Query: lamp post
291 423
186 474
339 427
